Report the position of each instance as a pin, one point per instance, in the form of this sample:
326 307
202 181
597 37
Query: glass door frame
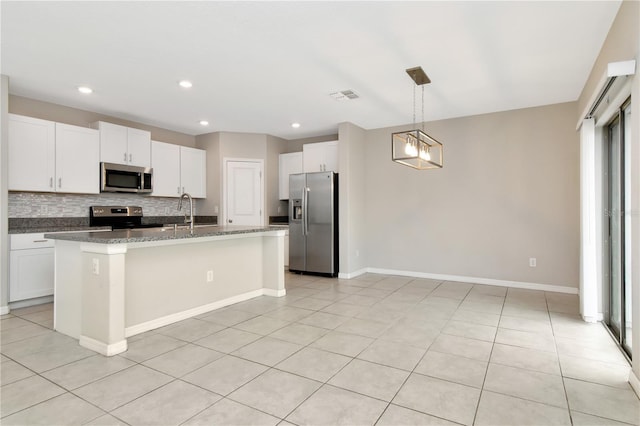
620 332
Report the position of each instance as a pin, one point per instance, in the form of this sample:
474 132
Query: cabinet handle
50 182
40 241
178 190
130 158
183 189
125 157
59 182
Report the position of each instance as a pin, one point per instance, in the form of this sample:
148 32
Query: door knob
230 221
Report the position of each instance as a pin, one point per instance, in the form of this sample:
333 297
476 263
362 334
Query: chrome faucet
190 220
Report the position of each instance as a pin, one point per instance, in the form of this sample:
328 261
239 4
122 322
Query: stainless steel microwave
123 178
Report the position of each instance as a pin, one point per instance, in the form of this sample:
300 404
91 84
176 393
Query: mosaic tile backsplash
40 205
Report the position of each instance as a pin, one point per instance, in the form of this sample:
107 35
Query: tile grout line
486 372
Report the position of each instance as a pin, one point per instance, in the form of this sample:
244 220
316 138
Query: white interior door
244 193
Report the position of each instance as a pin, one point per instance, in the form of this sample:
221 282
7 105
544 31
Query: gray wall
295 145
353 214
78 117
221 145
509 190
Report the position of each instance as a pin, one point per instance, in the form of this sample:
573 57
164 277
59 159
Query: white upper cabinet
165 160
47 157
124 145
139 147
320 157
77 159
32 161
289 164
193 171
178 169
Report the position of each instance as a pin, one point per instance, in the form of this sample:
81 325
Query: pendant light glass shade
416 149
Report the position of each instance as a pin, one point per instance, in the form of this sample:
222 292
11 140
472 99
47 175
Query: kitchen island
113 285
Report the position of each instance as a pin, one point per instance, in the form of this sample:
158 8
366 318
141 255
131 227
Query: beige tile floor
381 350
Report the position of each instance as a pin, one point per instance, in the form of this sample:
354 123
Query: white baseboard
274 293
634 382
4 310
179 316
476 280
349 275
593 318
103 348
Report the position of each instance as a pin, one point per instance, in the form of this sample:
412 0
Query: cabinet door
77 159
113 143
321 157
165 160
313 157
331 156
289 164
31 165
31 273
193 171
139 147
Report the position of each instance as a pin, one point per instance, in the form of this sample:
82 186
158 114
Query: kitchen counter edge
143 235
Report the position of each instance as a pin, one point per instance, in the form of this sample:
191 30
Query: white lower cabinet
31 266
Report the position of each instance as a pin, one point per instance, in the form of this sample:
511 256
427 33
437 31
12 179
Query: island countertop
142 235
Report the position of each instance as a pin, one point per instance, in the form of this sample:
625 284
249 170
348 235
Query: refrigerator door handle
305 213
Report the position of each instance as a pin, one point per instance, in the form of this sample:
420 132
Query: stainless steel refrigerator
313 223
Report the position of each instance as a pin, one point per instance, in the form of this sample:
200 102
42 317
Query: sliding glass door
617 237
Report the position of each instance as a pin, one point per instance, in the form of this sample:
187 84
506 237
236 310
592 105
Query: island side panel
67 318
273 265
169 283
103 292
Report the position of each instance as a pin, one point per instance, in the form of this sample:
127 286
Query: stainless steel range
118 217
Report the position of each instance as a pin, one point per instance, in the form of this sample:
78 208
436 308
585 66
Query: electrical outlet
215 209
95 266
533 262
357 253
209 276
279 209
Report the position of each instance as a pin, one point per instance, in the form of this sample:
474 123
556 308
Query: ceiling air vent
344 95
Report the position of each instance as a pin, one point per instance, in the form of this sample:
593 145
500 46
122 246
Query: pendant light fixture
414 148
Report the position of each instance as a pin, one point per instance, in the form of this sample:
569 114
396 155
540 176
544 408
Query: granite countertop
142 235
79 224
47 229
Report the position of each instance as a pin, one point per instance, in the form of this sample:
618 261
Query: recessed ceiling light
295 125
186 84
84 89
204 123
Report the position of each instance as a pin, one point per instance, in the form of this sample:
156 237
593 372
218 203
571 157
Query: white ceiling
259 66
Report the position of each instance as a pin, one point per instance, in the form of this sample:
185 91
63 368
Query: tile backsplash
41 204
